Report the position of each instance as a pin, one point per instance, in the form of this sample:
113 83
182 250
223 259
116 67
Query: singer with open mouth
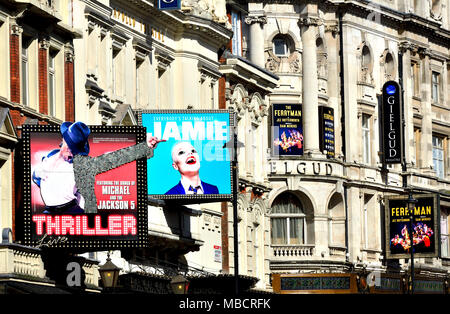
185 159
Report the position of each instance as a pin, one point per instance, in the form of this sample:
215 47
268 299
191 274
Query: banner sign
169 4
58 213
392 126
326 128
287 130
192 165
425 226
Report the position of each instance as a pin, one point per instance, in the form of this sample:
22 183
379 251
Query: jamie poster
287 134
61 214
424 225
192 164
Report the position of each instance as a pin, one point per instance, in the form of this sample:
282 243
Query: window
25 64
236 24
445 247
438 156
280 47
366 138
288 220
51 83
435 78
115 69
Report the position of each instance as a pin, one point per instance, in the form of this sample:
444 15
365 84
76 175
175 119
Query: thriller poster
287 130
424 225
108 213
192 165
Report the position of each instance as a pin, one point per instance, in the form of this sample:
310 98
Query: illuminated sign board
392 127
287 130
326 130
425 226
192 164
108 212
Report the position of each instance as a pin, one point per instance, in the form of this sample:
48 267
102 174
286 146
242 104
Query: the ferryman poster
287 130
425 226
192 164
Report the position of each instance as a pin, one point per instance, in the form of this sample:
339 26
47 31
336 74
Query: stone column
309 30
408 88
256 49
426 145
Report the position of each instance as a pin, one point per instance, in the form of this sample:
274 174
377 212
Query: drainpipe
343 149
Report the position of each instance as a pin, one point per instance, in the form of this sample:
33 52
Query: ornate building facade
318 214
326 213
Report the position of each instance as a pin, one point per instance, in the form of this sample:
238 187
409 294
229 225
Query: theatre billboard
425 226
100 206
192 165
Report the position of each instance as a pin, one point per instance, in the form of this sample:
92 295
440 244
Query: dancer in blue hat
66 176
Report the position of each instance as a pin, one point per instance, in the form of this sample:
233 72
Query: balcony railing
292 251
26 262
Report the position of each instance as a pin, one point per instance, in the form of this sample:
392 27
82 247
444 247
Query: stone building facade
313 215
326 212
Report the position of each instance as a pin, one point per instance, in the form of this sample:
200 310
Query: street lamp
180 285
411 201
109 273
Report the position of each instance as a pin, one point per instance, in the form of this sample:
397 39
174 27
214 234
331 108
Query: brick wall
69 90
43 80
14 59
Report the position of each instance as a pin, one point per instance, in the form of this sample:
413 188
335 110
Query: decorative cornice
406 45
425 52
310 21
333 28
44 43
69 53
255 19
16 29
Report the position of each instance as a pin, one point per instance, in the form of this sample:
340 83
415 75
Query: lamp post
180 285
234 144
411 201
109 274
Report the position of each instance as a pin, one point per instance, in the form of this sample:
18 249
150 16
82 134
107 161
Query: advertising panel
108 212
192 164
392 127
326 118
287 130
424 224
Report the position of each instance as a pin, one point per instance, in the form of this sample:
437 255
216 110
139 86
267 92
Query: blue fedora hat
76 136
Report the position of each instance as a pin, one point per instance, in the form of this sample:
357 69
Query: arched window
281 46
288 220
389 66
366 65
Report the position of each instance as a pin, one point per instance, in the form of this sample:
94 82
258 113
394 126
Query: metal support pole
235 214
411 235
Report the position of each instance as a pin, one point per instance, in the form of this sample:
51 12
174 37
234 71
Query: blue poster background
215 160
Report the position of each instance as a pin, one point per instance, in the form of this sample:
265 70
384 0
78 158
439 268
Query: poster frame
435 214
191 198
84 243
